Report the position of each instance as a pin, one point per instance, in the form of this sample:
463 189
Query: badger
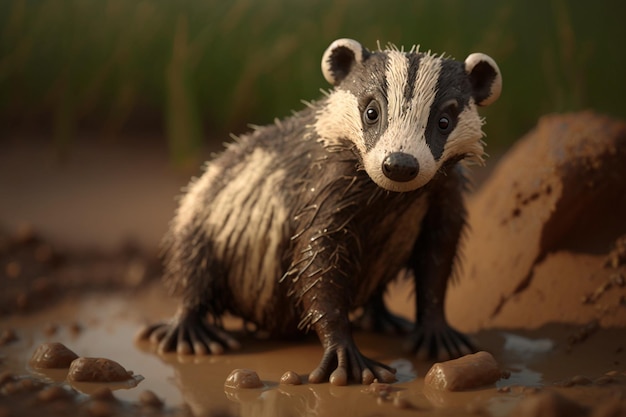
297 224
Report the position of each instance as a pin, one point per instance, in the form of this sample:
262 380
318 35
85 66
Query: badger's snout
400 166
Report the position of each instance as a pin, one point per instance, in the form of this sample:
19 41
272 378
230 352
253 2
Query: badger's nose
401 167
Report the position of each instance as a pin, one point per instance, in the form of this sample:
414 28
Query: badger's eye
371 113
444 124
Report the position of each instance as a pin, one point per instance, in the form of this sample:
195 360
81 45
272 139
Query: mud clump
149 399
52 356
548 227
97 370
7 336
467 372
290 378
243 378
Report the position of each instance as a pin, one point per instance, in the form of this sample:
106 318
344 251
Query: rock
149 399
290 378
53 393
243 378
52 356
467 372
546 218
97 370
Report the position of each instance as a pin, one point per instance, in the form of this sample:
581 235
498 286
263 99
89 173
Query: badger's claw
349 364
188 334
439 341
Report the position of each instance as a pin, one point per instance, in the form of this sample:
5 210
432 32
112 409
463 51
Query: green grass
202 68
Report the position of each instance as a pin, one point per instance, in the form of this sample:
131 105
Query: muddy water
105 325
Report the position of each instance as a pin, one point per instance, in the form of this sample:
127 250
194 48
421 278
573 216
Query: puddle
105 326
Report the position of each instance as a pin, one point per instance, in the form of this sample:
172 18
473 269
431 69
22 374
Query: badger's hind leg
376 317
189 333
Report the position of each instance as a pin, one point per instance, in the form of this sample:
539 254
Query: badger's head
407 113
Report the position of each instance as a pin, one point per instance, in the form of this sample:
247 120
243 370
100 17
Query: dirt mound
544 241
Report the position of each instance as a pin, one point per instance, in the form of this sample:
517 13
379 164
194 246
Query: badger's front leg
432 262
322 280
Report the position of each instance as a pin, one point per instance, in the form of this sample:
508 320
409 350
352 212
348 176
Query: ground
79 265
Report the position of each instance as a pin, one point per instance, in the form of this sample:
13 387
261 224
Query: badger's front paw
343 362
188 334
438 341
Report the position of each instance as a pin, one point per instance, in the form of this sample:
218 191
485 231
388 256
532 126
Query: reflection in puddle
525 348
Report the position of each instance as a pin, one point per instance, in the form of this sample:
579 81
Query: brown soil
541 291
548 232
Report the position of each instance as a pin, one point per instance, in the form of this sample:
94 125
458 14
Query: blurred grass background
190 71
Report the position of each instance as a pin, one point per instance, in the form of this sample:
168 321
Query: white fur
466 137
340 118
226 222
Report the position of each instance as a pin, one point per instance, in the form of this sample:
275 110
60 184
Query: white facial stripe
466 137
406 123
340 118
396 75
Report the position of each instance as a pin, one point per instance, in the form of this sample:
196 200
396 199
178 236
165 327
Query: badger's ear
339 59
485 77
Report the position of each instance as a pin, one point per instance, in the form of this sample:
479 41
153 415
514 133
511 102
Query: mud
558 328
548 230
542 359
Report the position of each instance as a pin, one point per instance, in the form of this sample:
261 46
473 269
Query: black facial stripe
367 82
453 83
414 63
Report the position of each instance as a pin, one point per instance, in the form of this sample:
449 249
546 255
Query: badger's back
232 237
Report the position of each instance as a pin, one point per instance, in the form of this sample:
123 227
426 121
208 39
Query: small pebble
13 270
290 378
28 384
530 390
402 403
504 390
25 234
42 285
7 336
50 329
100 408
149 399
379 389
103 394
53 393
52 355
6 376
604 380
76 328
243 378
44 253
10 388
97 370
22 301
580 380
